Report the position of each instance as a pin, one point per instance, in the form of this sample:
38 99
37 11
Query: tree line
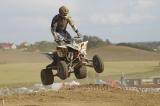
149 46
44 46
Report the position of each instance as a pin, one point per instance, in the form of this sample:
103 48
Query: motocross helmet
63 11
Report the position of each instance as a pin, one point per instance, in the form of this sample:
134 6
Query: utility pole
123 79
158 51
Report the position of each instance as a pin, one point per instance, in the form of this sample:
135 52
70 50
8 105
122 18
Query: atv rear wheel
47 77
98 64
62 70
80 72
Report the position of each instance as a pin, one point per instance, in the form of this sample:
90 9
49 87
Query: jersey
60 23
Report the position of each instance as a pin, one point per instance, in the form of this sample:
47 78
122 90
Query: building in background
156 80
133 82
24 45
8 46
143 81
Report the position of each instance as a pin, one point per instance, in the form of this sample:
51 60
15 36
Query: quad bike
70 58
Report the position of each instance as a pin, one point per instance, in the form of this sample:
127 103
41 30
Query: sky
116 20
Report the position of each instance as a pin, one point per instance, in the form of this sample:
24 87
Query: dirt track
86 95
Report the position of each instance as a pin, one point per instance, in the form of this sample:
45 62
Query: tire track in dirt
85 95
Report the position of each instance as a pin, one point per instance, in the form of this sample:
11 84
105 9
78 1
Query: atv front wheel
80 72
47 77
98 64
62 70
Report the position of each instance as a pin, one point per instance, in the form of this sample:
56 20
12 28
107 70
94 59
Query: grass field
26 73
133 69
18 67
20 73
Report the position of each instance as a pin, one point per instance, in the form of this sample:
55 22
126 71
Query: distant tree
94 41
158 51
158 48
43 46
136 45
108 42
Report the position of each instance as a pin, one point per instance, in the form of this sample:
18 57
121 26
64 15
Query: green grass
132 69
27 73
20 73
129 67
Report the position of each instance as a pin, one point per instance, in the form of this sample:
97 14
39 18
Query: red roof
6 45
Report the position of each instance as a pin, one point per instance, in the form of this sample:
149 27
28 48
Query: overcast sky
116 20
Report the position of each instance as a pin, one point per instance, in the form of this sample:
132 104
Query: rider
59 25
58 28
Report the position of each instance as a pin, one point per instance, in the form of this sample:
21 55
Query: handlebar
59 38
78 38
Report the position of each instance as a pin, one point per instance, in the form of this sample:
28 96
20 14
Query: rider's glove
76 31
58 41
78 34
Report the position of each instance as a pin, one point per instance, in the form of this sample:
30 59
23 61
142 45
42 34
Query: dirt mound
123 53
85 95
